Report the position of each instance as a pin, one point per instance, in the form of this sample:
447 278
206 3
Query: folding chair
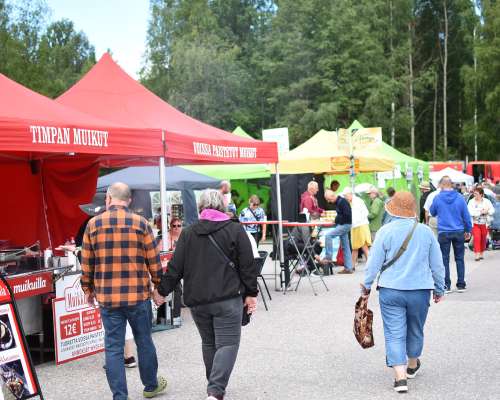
260 265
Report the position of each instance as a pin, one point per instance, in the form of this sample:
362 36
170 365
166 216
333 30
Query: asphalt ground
304 348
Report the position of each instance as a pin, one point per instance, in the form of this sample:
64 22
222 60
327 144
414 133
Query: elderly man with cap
407 259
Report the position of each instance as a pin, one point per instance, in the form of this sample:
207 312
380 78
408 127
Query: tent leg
164 225
163 201
280 229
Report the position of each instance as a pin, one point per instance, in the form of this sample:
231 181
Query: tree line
426 71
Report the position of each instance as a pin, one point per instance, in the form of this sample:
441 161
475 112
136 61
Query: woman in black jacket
214 285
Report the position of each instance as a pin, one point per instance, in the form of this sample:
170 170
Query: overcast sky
118 25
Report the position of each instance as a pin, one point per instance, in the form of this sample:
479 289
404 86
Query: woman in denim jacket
405 287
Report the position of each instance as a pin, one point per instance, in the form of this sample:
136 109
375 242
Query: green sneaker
162 385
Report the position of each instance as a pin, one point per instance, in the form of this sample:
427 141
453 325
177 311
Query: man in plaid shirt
119 262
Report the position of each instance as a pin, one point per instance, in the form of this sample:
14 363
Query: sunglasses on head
177 226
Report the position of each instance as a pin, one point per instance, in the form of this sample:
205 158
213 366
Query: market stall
50 154
49 159
408 171
321 155
107 91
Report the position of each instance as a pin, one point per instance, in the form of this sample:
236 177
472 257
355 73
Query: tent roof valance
33 126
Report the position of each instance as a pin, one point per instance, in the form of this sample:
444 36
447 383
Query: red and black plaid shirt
119 258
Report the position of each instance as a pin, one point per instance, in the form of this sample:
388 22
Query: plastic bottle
306 212
47 257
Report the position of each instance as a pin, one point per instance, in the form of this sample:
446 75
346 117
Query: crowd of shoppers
406 261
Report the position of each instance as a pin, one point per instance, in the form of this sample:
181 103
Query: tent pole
352 163
163 197
280 227
164 218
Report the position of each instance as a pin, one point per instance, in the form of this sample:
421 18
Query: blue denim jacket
420 266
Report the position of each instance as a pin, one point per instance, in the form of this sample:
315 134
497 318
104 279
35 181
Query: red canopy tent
49 160
50 153
107 91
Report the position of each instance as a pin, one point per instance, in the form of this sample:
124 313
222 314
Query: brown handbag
363 323
363 316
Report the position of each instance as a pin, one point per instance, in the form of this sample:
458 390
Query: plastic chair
260 265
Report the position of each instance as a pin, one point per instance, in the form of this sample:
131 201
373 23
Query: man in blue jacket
454 225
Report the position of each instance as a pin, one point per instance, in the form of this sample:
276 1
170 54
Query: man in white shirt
429 219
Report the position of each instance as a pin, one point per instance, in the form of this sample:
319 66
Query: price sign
78 329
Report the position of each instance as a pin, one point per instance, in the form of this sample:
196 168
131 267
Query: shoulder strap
257 218
229 262
401 250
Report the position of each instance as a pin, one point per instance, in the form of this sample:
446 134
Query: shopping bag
340 256
363 323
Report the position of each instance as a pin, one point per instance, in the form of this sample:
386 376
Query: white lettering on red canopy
68 136
229 152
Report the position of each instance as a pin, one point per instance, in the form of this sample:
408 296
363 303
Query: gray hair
212 199
312 184
446 181
119 191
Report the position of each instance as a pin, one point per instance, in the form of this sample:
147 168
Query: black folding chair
260 265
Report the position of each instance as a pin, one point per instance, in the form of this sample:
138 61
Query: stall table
273 224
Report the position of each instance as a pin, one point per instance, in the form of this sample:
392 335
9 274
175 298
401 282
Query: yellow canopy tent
321 154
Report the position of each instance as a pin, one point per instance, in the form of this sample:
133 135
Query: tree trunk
445 71
412 105
434 118
391 46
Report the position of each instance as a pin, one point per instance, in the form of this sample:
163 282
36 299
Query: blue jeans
342 231
404 313
114 320
446 239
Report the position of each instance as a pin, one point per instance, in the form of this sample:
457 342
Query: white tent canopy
456 176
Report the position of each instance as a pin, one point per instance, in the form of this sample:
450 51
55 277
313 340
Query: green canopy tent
240 132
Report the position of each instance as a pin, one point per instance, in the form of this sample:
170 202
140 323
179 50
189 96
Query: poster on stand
78 329
17 376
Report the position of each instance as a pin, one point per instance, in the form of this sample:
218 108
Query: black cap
97 206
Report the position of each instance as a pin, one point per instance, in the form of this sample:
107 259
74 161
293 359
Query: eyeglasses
177 226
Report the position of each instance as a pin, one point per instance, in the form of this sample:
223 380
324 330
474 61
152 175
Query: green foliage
319 64
307 65
48 59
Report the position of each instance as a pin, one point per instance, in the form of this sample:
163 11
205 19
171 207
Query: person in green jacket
376 211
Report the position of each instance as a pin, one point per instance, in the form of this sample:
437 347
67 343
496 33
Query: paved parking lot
303 348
